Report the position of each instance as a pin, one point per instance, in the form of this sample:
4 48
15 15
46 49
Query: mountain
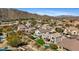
11 13
71 17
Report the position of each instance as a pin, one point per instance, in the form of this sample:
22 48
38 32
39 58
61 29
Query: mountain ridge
12 13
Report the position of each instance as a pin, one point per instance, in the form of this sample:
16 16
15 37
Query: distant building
28 25
21 27
24 27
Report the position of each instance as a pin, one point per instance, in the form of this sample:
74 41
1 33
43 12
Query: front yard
40 41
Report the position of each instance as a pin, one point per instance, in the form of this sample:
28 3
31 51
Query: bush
53 46
1 30
77 26
14 39
60 30
67 25
14 42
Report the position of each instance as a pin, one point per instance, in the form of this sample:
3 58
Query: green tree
60 30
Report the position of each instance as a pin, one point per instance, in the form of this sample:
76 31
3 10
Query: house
55 37
25 27
43 33
46 26
38 33
52 30
71 30
76 22
28 25
21 27
51 37
30 30
38 25
46 36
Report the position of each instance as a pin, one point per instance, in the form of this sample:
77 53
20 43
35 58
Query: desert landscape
26 31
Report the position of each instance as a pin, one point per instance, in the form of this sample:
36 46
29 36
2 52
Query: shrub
14 42
14 39
68 25
53 46
77 26
40 41
1 30
60 30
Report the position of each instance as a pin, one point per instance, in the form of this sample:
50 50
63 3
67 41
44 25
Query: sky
52 11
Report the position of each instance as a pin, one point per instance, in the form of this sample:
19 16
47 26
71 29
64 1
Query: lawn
40 41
